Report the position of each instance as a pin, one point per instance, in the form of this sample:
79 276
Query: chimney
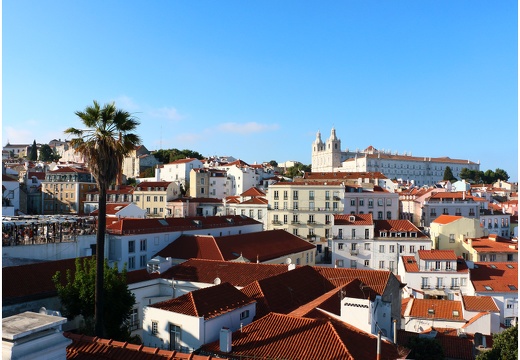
225 340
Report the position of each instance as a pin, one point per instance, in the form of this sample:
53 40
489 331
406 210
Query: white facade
175 331
368 315
179 170
381 204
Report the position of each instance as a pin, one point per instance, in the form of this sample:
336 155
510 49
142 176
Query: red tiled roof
357 219
446 219
182 161
498 276
122 189
287 337
493 243
256 201
143 186
261 246
207 302
375 279
196 200
253 191
397 226
144 226
437 255
410 264
286 292
91 348
443 309
238 274
479 303
298 182
68 169
112 208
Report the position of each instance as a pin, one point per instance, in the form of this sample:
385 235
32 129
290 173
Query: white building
360 242
135 241
327 156
187 322
434 274
381 203
179 170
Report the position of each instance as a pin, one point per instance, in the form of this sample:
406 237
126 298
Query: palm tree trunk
100 262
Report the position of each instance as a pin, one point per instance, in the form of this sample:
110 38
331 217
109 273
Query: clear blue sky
258 79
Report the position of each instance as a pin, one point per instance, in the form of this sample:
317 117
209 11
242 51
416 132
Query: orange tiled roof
112 208
410 264
154 225
437 255
479 303
397 226
495 277
288 337
90 348
238 274
376 280
493 243
342 175
443 309
446 219
182 161
286 292
253 191
357 219
208 302
261 246
143 186
256 201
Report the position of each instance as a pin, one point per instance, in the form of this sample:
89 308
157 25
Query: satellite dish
43 310
288 261
216 281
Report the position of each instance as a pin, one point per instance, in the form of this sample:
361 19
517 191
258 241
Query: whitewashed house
435 274
192 320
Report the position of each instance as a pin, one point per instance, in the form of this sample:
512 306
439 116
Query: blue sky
258 79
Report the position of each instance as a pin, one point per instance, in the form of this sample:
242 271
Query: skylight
493 266
455 313
163 222
510 266
512 287
487 287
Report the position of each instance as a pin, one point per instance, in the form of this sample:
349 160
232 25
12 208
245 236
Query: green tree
448 175
33 152
47 154
76 295
501 174
297 170
505 346
273 163
107 139
423 348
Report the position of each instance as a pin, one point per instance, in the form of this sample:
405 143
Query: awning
434 292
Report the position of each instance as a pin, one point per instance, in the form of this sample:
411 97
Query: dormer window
455 313
352 218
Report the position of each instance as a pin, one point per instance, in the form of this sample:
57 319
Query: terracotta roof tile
143 226
397 226
376 280
493 243
342 175
288 337
238 274
207 302
437 255
495 277
443 309
90 348
182 161
356 219
446 219
286 292
257 246
253 191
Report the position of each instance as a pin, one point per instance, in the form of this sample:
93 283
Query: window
401 249
311 206
142 245
131 246
327 219
335 206
367 233
353 264
439 282
452 238
276 205
327 195
367 246
508 322
340 246
379 215
251 213
295 232
424 283
483 257
352 202
285 206
155 326
509 305
448 265
276 194
353 233
353 246
391 248
381 264
388 202
509 257
244 314
327 205
142 261
379 202
391 265
381 248
148 198
285 196
512 287
134 319
389 215
462 281
175 337
492 257
295 205
412 249
367 263
131 263
454 283
370 203
437 265
285 219
155 198
422 247
295 195
259 214
311 195
361 202
295 219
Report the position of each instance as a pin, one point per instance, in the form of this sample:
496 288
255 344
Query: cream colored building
448 232
153 196
305 209
490 248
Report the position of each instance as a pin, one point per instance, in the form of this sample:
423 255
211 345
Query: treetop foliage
484 177
166 156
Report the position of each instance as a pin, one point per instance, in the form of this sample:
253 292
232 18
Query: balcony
276 222
455 287
312 223
295 223
425 286
354 251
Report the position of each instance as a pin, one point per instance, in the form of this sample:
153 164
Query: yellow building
448 232
490 248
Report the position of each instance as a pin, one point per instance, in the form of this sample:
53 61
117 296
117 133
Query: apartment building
490 248
360 242
137 161
381 203
450 203
153 196
64 190
449 231
305 209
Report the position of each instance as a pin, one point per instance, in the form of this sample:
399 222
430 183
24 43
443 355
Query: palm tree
104 143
